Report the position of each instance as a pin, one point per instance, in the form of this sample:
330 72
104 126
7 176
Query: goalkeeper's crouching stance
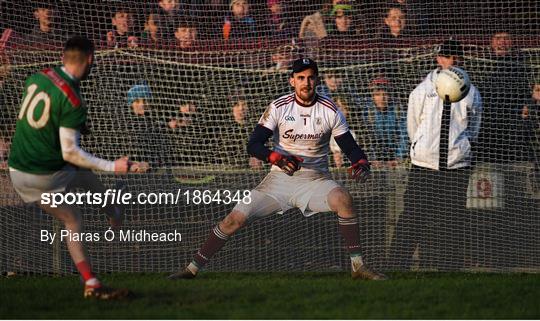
301 124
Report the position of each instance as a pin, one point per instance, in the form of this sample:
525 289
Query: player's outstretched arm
288 163
72 153
360 168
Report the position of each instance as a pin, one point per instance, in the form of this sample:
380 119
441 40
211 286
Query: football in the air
452 84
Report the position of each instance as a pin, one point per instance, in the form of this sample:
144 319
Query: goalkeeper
45 154
301 124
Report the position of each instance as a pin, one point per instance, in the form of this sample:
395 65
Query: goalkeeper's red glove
360 170
289 164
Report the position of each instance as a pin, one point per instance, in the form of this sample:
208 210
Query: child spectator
146 135
168 16
185 34
236 131
342 25
386 127
138 97
394 30
239 24
278 24
122 35
151 36
45 33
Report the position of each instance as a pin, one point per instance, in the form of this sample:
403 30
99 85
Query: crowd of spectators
375 108
507 126
156 23
288 28
377 111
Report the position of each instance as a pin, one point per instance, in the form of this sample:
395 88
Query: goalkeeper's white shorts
278 192
31 186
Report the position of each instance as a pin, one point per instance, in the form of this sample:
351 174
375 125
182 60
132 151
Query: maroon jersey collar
315 98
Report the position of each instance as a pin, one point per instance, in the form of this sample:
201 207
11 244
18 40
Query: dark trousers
433 219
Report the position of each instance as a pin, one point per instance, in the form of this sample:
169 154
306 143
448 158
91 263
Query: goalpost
194 134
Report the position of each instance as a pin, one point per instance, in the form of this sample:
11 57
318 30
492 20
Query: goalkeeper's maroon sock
215 242
350 230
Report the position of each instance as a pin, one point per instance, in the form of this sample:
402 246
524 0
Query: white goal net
207 70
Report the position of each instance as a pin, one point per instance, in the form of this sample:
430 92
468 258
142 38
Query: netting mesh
211 75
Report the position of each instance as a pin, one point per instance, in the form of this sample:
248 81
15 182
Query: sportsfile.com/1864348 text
120 197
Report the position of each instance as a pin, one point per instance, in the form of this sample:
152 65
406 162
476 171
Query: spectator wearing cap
46 32
385 126
441 136
319 24
146 134
343 24
238 23
137 98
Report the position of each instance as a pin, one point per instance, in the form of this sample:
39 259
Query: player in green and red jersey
45 155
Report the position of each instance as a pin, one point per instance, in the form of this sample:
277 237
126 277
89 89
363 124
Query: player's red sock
350 230
85 270
215 242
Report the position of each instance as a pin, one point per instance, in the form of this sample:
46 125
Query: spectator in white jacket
440 153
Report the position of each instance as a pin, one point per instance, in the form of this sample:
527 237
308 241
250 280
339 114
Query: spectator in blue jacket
385 125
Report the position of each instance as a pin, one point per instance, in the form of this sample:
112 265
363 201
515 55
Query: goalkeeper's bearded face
304 84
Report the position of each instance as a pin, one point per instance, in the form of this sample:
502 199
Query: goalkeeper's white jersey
304 131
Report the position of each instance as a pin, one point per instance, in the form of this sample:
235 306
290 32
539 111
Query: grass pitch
279 296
